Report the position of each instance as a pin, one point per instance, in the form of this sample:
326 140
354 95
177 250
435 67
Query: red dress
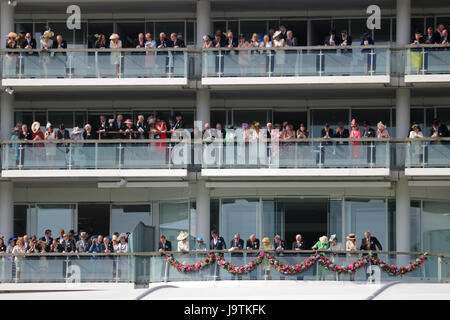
356 145
161 128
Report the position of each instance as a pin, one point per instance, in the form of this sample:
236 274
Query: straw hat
182 236
351 236
12 35
35 127
114 36
266 240
48 34
323 239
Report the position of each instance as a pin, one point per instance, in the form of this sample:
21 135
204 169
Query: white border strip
102 173
426 78
326 172
424 172
153 184
85 82
299 185
216 81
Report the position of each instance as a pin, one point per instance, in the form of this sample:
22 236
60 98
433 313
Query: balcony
84 68
92 159
427 65
296 66
428 158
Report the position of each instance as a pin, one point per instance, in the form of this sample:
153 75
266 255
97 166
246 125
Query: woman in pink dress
161 133
356 145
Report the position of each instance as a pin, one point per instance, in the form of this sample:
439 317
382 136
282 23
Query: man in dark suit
28 42
175 42
332 39
279 244
102 128
368 131
181 41
117 127
162 42
432 36
341 132
346 40
68 244
164 244
237 243
291 41
139 43
252 243
82 245
47 238
216 243
438 130
298 243
369 243
179 123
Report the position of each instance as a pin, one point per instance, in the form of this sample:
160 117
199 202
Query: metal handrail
196 252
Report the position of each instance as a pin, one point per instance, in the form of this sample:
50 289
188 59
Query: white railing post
320 62
371 61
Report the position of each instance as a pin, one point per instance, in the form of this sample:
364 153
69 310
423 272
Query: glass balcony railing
144 268
91 63
90 155
428 59
308 153
296 62
428 153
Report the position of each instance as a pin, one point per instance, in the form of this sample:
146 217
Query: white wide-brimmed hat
76 130
114 36
276 34
48 34
182 236
35 127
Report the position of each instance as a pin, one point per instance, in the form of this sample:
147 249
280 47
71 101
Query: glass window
340 24
150 27
20 220
106 28
383 35
169 27
173 218
214 215
39 29
94 218
415 226
40 117
124 218
249 116
164 114
239 216
24 118
222 25
60 117
417 116
248 28
357 28
373 116
61 28
272 220
429 116
330 116
128 32
189 37
54 217
443 114
392 225
193 234
362 215
24 28
335 220
299 29
417 24
80 119
436 226
218 116
294 118
320 29
444 20
234 27
80 35
188 118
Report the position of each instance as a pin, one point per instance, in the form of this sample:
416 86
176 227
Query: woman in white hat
46 44
11 61
183 244
280 59
50 148
38 147
115 43
352 245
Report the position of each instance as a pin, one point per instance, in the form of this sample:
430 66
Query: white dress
279 55
183 246
115 56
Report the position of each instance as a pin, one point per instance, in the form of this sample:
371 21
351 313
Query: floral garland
294 269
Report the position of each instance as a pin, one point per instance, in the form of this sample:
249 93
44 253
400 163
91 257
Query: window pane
54 217
61 28
436 226
294 118
80 119
189 37
272 220
299 30
383 35
335 220
105 28
20 220
417 24
330 116
239 216
234 27
340 24
24 118
40 117
193 234
222 25
362 215
81 35
373 116
124 218
214 216
319 31
250 27
415 226
443 114
60 117
24 28
249 116
358 28
218 116
417 116
150 27
128 32
94 218
168 28
173 218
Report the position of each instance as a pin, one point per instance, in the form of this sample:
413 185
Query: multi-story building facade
401 196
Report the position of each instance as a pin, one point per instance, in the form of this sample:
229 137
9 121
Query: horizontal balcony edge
427 172
295 172
89 82
427 78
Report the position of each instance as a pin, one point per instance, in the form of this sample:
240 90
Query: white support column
6 21
203 211
6 115
403 36
203 20
6 209
403 216
403 106
203 106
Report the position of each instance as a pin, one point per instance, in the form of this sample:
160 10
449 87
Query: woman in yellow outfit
266 246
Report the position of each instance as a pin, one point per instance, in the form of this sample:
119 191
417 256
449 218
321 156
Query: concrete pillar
403 36
203 212
203 20
6 115
403 112
6 209
403 216
6 21
203 106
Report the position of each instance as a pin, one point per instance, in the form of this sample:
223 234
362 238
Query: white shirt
413 134
183 246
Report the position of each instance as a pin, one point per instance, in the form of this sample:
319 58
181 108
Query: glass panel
392 225
80 119
218 116
24 27
373 116
105 28
94 218
56 118
418 24
124 218
54 217
128 32
239 216
272 220
219 25
335 220
190 33
60 28
292 117
319 30
443 114
193 234
415 226
436 226
168 27
383 35
250 27
24 118
20 220
362 215
173 218
417 116
299 30
357 28
249 116
214 215
330 116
